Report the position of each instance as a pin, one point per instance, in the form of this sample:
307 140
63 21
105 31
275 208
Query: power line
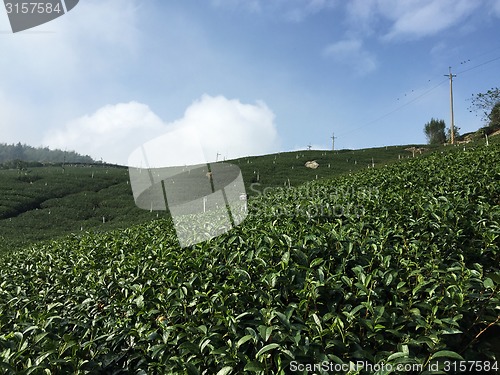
396 109
477 66
418 97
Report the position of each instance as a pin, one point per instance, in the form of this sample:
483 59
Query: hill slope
396 265
42 203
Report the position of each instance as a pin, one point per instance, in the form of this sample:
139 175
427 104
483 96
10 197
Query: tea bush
397 265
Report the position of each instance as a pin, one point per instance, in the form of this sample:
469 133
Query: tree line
23 152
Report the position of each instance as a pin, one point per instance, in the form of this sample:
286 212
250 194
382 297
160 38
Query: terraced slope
43 203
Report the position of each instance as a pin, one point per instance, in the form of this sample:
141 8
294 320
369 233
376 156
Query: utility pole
452 126
333 141
217 157
309 147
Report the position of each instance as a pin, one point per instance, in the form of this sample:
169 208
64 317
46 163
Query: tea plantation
395 266
40 202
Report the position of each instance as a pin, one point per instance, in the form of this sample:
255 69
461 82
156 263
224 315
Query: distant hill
23 152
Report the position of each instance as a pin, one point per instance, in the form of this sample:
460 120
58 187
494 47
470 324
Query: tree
17 152
495 117
28 153
488 106
434 131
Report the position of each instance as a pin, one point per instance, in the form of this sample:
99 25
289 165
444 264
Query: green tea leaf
266 348
243 340
488 283
225 370
253 367
446 354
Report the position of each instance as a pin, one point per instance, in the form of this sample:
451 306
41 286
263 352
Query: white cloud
66 48
495 6
50 69
418 19
250 5
232 128
223 126
10 112
112 23
301 9
410 19
109 133
292 10
350 52
361 11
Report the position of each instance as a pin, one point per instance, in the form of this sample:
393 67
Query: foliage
394 265
494 123
456 131
19 152
287 168
435 132
44 202
495 116
488 105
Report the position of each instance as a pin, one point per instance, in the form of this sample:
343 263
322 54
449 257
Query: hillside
287 168
46 202
43 203
397 264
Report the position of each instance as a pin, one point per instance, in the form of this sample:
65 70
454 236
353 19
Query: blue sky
249 76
